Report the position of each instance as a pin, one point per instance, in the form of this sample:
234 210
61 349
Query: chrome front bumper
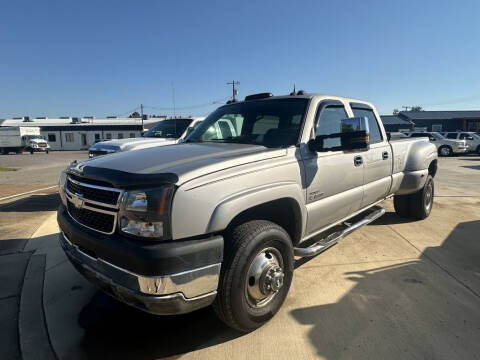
162 295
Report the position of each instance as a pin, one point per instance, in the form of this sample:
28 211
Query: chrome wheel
264 278
445 151
428 197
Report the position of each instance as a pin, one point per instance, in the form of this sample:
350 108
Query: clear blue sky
106 57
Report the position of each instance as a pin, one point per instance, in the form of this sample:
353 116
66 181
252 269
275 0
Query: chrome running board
333 238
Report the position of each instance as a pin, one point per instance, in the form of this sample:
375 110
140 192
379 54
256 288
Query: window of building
69 137
120 135
375 134
97 137
108 136
52 138
132 135
328 122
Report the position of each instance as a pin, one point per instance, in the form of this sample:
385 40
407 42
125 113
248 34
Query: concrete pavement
394 289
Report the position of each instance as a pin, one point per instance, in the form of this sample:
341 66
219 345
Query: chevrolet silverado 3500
219 218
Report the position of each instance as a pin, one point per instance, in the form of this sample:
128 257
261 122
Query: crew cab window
375 133
465 136
451 135
328 122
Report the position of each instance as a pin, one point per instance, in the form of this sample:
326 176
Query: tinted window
170 128
120 135
420 135
451 135
328 122
464 136
265 123
52 138
271 123
375 134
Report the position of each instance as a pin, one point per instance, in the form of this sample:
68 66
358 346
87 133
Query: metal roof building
393 123
463 120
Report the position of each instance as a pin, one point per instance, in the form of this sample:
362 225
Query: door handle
357 160
385 155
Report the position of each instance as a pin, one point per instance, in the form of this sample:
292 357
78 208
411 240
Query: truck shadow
115 330
427 308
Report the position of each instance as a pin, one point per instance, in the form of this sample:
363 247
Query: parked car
445 147
19 138
471 138
166 132
219 218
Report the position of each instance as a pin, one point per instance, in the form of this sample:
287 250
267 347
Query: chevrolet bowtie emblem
78 201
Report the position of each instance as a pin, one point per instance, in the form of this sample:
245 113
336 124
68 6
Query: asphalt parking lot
392 290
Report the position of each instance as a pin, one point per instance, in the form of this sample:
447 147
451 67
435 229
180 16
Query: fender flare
235 204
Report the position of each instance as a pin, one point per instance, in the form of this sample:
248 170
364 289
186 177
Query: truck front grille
42 145
93 193
92 219
93 206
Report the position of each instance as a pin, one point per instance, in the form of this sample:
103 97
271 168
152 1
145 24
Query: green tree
395 112
416 108
135 114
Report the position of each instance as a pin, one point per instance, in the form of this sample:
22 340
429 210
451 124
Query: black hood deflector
123 179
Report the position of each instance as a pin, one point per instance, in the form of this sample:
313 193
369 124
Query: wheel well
432 168
284 212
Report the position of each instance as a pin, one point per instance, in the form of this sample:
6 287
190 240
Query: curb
32 330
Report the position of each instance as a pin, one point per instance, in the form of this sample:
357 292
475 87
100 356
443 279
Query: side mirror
432 138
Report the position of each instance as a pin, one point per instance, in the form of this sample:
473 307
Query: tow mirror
354 135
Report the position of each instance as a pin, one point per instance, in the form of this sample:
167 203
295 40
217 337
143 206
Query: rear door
377 161
333 179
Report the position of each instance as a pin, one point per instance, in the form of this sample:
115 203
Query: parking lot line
27 192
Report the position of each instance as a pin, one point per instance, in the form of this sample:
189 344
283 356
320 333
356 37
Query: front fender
228 209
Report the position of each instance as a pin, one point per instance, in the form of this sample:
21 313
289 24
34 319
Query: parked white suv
445 147
472 139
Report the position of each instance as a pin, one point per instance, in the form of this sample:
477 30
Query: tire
46 151
256 243
31 152
401 203
445 150
421 202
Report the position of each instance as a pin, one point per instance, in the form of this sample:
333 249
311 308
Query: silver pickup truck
219 218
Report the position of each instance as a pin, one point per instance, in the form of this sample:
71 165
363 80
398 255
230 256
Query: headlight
35 145
146 213
61 186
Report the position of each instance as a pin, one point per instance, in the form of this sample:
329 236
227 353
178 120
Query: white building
71 133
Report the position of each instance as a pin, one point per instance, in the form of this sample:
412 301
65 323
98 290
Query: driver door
333 179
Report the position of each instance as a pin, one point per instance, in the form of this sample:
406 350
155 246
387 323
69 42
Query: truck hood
134 143
173 164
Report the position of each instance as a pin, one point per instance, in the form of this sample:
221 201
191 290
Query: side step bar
333 238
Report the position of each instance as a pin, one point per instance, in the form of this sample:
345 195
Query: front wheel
445 151
256 274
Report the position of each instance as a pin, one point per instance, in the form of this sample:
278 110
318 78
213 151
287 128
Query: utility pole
406 107
234 91
141 114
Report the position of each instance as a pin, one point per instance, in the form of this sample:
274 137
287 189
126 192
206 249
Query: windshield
30 137
170 128
437 135
271 123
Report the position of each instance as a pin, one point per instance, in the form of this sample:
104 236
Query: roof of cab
307 96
